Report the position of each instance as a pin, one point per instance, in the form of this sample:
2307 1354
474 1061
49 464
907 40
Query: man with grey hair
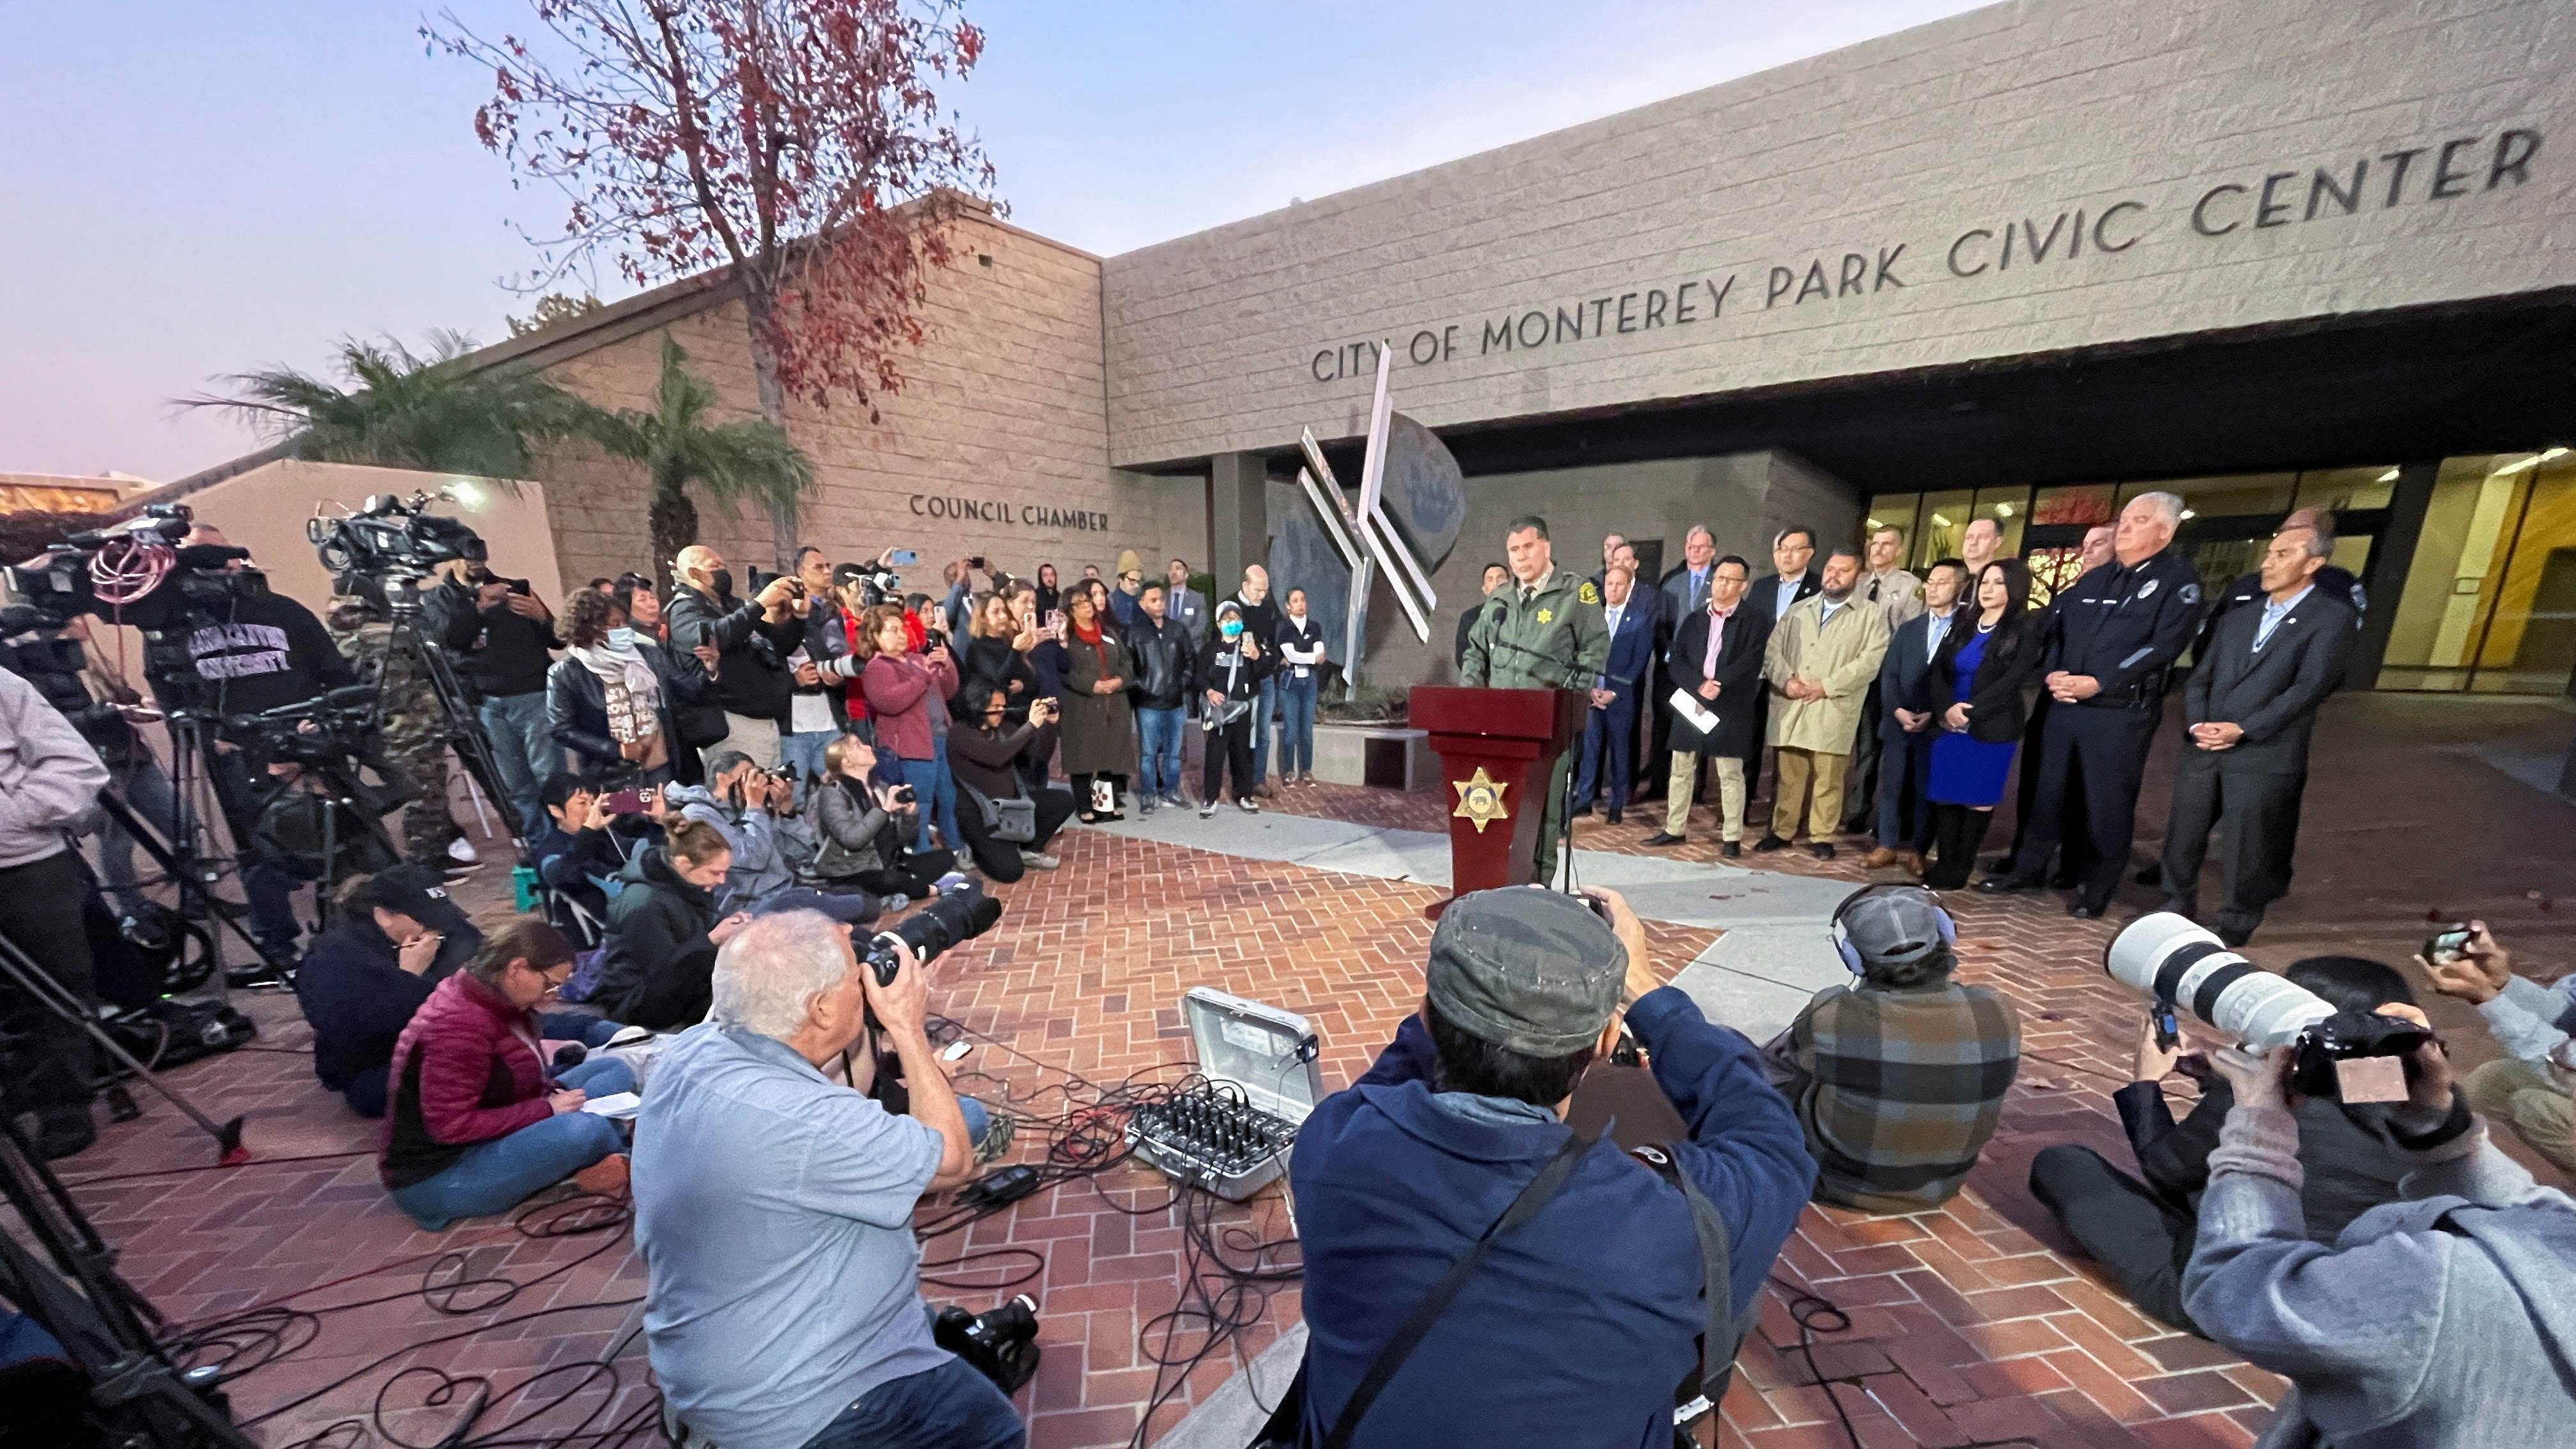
774 1210
2247 712
2110 641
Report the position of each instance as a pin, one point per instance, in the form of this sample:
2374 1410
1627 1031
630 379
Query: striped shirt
1898 1090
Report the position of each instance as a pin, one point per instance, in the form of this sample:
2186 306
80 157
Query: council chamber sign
970 508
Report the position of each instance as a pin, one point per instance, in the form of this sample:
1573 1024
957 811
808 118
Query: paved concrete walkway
1773 957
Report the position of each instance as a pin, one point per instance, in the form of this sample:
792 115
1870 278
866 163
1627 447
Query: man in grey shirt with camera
774 1211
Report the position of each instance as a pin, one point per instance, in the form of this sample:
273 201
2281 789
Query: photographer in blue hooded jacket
1581 1319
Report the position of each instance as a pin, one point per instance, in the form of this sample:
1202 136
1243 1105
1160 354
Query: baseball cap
1894 927
1533 971
398 890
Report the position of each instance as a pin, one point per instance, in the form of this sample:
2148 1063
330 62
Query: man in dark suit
2247 711
1717 660
1495 574
2331 580
1909 722
1610 734
1793 550
1679 594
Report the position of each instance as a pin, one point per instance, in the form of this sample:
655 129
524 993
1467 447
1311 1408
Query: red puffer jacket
466 1070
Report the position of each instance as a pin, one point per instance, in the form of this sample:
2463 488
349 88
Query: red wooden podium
1497 749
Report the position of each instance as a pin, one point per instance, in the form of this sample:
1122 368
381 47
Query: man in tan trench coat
1818 668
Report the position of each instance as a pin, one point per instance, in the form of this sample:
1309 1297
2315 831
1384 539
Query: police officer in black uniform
2113 638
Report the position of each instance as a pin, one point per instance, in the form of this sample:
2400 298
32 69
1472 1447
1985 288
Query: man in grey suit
1186 606
1909 722
2247 712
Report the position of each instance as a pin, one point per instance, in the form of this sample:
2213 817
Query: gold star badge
1547 616
1480 799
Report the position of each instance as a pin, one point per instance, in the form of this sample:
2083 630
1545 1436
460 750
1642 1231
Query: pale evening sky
198 189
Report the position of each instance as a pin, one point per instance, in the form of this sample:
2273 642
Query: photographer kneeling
2445 1320
660 948
1582 1318
755 810
991 758
865 815
478 1120
801 1323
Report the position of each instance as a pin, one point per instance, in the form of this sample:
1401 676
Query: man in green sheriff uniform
1542 630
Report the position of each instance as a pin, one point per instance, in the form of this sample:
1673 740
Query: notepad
615 1104
627 1036
1690 709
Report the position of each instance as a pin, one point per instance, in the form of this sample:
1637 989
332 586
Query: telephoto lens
958 911
2173 962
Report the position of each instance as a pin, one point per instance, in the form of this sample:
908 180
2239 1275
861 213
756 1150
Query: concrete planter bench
1390 757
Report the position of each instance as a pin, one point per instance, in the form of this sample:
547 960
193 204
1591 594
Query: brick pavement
1967 1325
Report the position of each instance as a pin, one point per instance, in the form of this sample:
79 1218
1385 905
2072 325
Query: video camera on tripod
389 539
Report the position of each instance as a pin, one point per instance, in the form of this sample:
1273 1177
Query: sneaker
1145 809
888 905
605 1178
1175 801
462 851
1039 860
1249 806
1207 810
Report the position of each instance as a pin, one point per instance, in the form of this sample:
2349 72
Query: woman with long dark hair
997 654
1976 681
1099 729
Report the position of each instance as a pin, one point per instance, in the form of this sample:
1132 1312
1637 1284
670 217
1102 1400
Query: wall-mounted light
2003 510
2388 477
2189 514
1939 521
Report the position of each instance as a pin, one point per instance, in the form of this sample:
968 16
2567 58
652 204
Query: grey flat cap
1534 971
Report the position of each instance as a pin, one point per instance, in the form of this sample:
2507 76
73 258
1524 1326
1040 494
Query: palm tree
682 448
437 413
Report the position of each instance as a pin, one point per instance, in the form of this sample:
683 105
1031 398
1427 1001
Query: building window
1897 510
2489 603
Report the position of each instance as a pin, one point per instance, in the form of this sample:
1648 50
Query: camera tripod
104 1323
19 966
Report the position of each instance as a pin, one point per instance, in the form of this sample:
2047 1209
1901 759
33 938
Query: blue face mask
1231 628
621 639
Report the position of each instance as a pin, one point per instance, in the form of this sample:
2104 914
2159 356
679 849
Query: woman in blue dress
1984 664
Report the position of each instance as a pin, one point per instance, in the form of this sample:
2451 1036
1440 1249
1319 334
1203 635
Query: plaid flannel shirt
1898 1090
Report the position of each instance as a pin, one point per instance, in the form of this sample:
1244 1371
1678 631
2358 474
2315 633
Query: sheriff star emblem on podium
1480 799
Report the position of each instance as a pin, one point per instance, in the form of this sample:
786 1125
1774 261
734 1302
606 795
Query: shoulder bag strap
1542 1189
1726 1329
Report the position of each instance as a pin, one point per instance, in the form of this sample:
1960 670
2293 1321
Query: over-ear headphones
1851 957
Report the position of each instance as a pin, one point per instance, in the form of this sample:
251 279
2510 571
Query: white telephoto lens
2165 957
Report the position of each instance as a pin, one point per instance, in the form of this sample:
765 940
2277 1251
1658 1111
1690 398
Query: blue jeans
1265 705
524 751
1158 753
1297 734
937 792
496 1176
803 753
148 790
949 1407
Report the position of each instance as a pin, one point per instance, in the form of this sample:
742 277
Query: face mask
621 639
720 583
1231 628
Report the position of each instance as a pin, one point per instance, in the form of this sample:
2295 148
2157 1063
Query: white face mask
621 639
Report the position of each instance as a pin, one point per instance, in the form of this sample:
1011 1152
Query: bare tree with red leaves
798 144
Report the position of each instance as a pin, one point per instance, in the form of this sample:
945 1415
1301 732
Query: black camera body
389 537
2347 1036
958 911
999 1343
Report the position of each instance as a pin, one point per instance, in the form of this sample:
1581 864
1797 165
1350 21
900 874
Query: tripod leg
49 993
